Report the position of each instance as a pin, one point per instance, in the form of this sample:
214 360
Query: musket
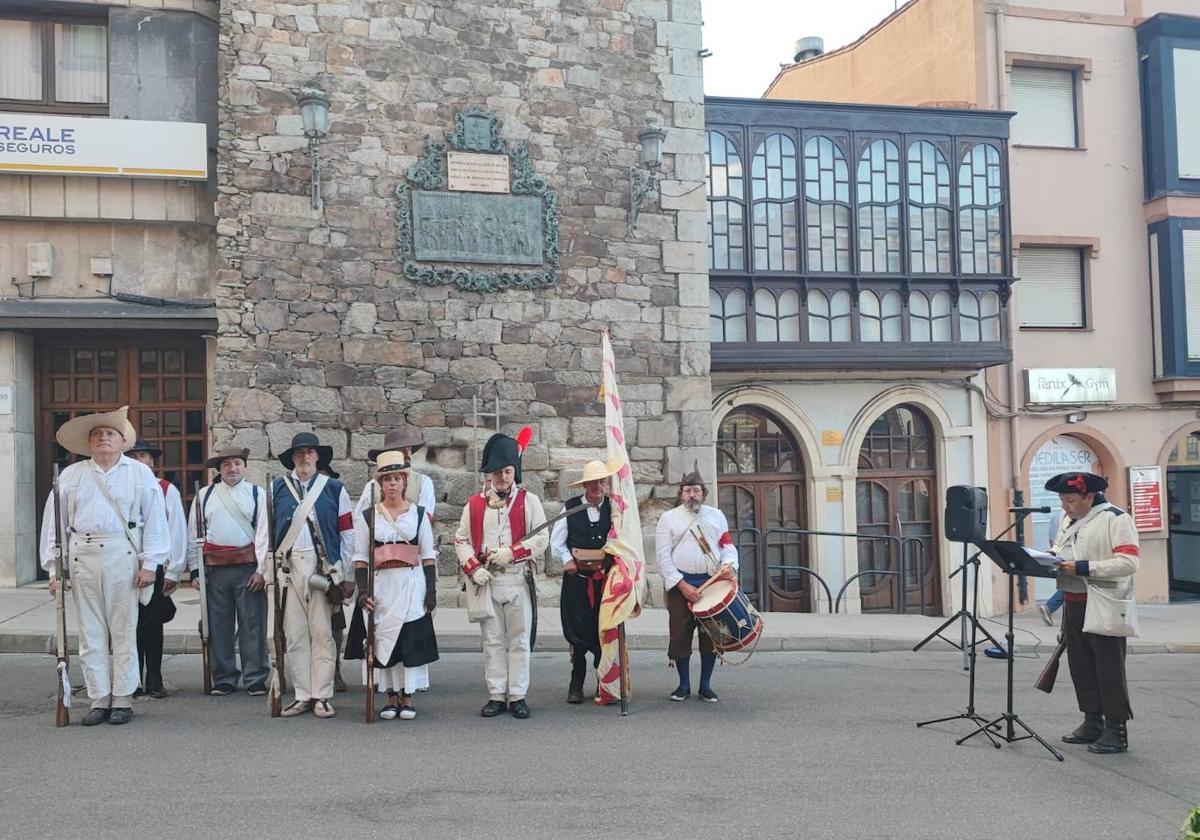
200 538
369 653
62 693
278 680
1045 680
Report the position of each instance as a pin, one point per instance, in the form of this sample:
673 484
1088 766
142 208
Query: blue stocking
708 661
683 666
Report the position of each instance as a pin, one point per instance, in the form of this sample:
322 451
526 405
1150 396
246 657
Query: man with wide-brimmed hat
496 557
420 486
234 553
577 542
693 544
1098 546
117 538
314 533
161 609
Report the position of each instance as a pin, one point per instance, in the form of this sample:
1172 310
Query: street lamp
643 177
314 116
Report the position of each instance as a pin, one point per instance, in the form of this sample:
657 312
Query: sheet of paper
1048 561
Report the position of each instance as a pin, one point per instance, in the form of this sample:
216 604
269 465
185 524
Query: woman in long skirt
405 590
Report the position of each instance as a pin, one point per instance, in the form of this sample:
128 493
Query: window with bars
726 189
1044 99
726 316
826 206
776 315
773 196
928 209
980 211
54 64
828 315
879 316
1051 292
879 208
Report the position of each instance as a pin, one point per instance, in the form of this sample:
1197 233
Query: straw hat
593 471
74 435
390 462
214 461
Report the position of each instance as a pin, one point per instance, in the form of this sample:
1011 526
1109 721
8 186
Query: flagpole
623 657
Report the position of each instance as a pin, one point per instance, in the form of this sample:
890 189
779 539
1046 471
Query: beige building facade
1102 209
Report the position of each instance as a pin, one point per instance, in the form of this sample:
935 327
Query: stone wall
320 329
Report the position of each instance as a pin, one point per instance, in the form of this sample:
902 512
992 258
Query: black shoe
680 694
154 688
119 716
708 695
575 694
519 709
222 690
257 690
1087 732
95 716
492 708
139 692
1114 739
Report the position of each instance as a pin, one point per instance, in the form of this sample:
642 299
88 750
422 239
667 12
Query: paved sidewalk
27 626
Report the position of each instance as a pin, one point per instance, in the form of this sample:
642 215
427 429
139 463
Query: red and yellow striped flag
625 586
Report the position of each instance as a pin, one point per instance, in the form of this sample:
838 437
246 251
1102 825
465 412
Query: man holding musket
496 557
577 542
117 534
234 552
314 533
1098 546
693 544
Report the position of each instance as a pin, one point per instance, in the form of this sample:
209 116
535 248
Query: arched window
726 200
773 191
980 211
928 209
979 316
826 206
929 316
726 315
879 316
828 315
777 315
879 208
761 492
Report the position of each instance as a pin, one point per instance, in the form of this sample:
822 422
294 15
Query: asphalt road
801 745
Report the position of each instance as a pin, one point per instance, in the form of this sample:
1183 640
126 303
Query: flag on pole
625 586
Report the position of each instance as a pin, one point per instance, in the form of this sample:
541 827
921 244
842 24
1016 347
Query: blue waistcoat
326 510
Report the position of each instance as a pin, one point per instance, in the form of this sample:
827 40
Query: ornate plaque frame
476 130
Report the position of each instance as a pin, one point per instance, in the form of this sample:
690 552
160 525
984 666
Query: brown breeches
682 627
1097 667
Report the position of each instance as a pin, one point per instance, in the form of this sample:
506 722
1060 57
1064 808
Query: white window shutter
1187 111
1050 291
1044 100
1191 290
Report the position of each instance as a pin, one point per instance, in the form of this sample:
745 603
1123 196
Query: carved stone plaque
469 227
474 172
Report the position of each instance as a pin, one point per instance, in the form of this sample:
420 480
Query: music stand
1012 560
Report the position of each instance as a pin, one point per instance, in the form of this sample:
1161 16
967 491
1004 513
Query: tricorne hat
1077 482
689 479
214 461
391 462
306 440
142 446
593 471
401 438
73 435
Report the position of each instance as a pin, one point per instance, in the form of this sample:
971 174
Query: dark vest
326 510
581 531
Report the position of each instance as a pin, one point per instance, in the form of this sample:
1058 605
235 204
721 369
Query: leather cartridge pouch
228 556
588 559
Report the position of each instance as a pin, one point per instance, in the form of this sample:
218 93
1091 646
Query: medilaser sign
50 145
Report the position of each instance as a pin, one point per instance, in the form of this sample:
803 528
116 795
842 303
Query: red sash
516 519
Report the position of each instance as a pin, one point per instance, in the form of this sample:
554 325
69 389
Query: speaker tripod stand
965 616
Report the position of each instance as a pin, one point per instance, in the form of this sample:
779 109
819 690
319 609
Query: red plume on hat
523 438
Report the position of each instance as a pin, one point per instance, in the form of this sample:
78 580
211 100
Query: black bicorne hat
1077 482
499 452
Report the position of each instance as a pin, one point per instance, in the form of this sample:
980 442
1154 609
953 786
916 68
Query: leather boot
578 675
1114 739
1088 731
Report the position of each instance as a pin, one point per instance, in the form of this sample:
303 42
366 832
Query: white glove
501 557
480 576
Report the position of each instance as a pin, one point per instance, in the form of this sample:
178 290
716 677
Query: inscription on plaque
469 227
476 172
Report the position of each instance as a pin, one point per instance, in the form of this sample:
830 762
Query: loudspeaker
966 513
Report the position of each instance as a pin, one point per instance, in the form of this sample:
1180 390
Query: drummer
693 544
405 589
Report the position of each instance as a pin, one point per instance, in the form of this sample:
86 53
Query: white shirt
679 552
425 497
304 539
177 528
135 489
220 528
388 531
558 532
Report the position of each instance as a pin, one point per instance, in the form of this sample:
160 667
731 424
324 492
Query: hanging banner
1145 494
